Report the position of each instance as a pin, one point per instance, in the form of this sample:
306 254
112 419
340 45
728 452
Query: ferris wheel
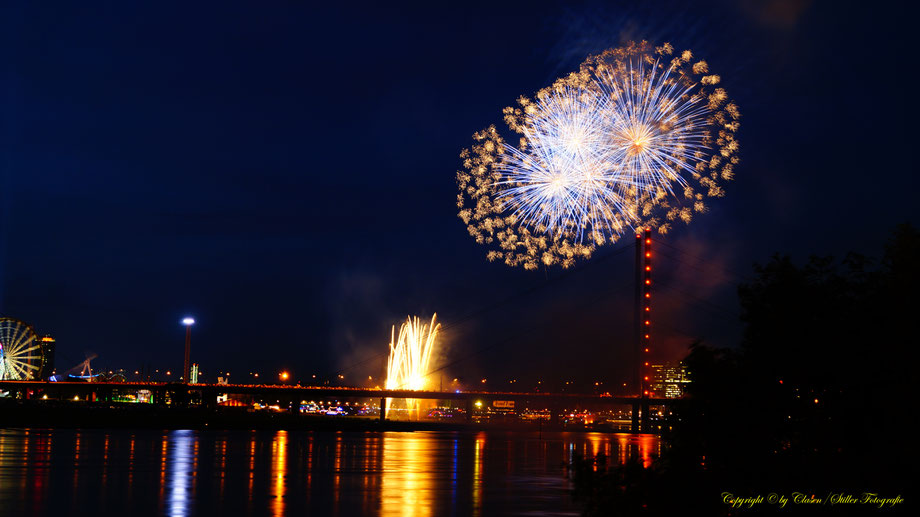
20 351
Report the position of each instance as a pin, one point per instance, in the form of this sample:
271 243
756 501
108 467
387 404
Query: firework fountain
410 356
637 138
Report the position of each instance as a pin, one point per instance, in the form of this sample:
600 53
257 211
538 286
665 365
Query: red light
646 378
647 322
648 254
646 348
648 282
648 295
780 381
646 364
647 309
648 268
648 241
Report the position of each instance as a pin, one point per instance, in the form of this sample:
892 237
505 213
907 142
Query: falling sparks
410 354
638 137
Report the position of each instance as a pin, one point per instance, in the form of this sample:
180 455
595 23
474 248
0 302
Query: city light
284 376
188 321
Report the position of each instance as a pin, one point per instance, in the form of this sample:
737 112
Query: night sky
284 173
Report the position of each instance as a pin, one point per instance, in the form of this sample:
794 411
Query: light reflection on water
180 474
279 472
190 473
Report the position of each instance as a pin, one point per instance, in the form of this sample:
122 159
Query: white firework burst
656 128
638 137
592 156
561 180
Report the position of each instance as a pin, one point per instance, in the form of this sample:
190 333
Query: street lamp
188 322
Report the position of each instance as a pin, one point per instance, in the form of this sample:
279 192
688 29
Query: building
47 368
668 380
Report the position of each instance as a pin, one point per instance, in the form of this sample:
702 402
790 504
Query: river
182 473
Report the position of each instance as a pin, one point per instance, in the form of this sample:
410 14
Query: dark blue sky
285 173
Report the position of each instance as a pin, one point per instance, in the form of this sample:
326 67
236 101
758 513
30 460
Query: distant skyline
285 175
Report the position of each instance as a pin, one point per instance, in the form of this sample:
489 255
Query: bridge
182 394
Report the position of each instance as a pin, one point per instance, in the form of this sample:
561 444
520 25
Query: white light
188 321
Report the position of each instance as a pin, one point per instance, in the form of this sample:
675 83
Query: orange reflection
76 462
641 447
105 461
405 485
647 445
477 472
2 455
222 445
279 472
600 444
336 472
623 447
309 464
25 465
368 481
252 465
165 442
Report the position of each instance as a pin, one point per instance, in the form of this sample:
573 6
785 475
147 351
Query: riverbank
64 415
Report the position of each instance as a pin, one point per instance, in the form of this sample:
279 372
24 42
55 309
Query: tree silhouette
815 398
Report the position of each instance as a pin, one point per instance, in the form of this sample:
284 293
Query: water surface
273 473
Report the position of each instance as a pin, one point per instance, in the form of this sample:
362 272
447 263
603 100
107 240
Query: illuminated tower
47 345
647 313
643 312
637 320
186 371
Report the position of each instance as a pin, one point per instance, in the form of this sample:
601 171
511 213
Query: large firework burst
633 139
560 178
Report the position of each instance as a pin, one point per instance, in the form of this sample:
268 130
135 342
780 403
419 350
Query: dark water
192 473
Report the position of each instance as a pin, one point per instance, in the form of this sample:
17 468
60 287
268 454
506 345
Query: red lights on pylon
646 269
